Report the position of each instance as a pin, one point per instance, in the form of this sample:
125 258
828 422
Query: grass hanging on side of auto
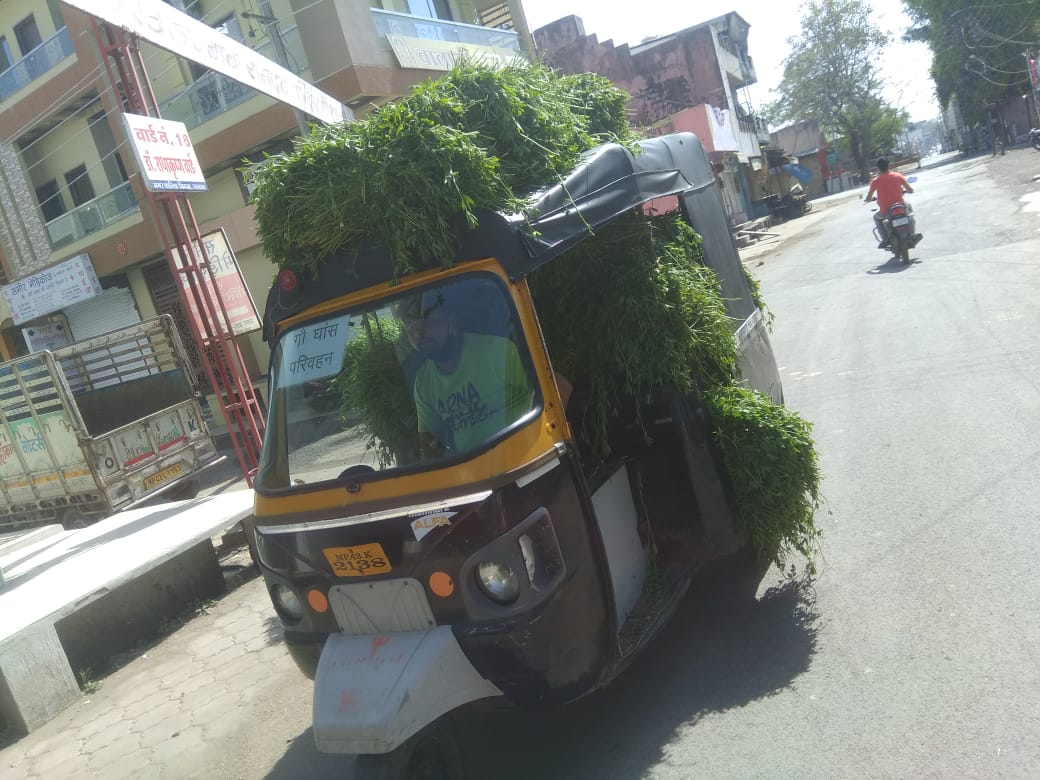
772 463
633 308
629 310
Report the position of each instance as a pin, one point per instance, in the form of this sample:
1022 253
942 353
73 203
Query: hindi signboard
429 54
52 289
175 31
165 156
50 335
229 285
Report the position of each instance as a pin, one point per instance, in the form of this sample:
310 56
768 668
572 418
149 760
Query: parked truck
100 426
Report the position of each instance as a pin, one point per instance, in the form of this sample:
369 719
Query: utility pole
267 18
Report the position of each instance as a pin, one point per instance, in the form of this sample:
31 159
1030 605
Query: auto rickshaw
416 570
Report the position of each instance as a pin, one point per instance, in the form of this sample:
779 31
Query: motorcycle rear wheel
902 246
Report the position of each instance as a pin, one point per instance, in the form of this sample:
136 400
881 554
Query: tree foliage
979 49
832 75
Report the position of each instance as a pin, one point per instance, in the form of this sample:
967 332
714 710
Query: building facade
691 80
70 188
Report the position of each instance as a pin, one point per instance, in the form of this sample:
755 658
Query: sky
772 23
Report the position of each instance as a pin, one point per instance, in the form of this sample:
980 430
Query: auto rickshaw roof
609 181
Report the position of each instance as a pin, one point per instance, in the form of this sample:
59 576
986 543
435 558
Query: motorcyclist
888 188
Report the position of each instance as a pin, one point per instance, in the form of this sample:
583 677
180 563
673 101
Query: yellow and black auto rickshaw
458 548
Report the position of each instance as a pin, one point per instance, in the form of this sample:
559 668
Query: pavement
136 715
166 712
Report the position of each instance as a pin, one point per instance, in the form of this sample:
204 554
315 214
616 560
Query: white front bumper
373 692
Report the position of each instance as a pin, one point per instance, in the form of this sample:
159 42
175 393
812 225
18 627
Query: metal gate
167 300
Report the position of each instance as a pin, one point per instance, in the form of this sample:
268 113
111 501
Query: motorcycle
1034 138
899 227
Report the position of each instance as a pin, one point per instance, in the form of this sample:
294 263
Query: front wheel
1036 142
432 754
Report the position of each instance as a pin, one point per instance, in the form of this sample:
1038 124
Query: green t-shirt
486 393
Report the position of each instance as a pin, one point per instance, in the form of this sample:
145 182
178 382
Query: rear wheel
185 490
73 519
432 754
903 248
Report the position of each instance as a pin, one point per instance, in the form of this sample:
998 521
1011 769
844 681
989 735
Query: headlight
498 581
286 602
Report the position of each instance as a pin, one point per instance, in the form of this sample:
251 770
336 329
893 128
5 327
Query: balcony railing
36 63
753 124
91 216
393 23
215 93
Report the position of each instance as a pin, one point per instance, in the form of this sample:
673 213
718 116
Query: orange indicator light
318 601
441 584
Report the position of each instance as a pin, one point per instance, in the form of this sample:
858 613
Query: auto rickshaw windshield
425 376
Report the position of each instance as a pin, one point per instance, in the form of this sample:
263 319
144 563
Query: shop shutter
113 308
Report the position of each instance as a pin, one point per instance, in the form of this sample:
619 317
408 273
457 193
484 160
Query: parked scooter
1034 138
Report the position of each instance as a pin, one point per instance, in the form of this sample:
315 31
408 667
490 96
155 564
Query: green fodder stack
630 309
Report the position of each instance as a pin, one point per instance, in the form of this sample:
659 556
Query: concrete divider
88 590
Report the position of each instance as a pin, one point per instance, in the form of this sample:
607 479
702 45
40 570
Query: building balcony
215 93
739 67
408 26
36 63
91 216
754 125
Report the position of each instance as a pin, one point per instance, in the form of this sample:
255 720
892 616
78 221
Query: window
27 34
79 185
6 56
432 375
430 9
49 197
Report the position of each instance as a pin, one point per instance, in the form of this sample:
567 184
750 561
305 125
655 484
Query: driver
888 187
469 387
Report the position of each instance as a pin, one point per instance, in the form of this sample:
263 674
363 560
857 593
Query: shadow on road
720 651
893 266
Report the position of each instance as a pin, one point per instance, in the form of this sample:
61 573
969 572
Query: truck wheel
432 754
185 490
72 519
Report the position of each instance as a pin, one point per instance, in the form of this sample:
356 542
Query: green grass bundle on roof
414 172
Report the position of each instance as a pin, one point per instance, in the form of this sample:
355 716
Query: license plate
165 475
900 221
361 560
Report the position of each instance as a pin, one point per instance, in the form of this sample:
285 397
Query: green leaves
769 454
415 172
832 75
373 389
629 310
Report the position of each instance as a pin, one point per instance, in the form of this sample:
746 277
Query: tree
979 49
832 76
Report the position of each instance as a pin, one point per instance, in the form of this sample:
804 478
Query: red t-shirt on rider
889 188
